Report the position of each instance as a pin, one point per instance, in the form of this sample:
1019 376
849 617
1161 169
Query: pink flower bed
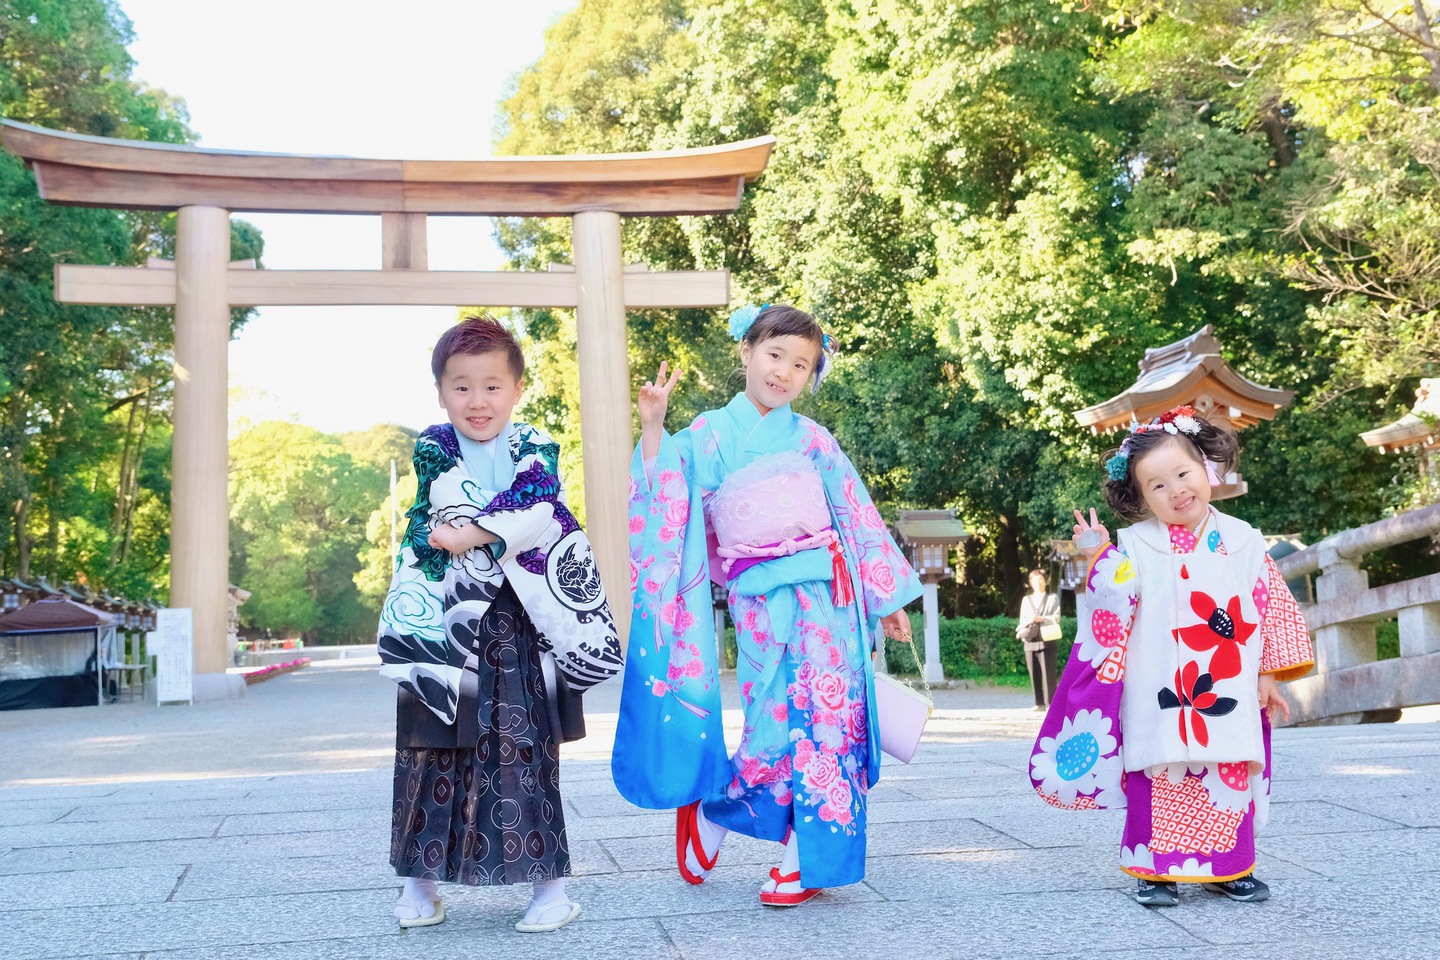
274 670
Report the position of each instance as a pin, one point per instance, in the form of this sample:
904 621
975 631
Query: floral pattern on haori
1082 760
1187 819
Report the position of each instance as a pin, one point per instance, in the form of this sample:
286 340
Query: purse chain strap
914 655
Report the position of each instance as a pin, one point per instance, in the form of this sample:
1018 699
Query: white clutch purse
902 712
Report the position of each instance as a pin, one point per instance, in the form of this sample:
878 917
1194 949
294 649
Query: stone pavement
260 828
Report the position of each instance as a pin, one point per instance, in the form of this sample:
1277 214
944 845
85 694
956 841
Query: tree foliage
300 501
85 392
997 208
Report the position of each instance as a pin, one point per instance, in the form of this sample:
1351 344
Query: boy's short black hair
473 336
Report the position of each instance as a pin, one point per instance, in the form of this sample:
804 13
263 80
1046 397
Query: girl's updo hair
783 320
1207 442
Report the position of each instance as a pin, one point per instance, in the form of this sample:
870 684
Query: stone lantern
1073 565
1190 371
10 591
928 537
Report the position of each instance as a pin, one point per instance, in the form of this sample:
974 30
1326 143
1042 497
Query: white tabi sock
548 902
417 899
789 863
711 836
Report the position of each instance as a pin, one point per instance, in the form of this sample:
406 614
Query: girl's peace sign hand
1090 535
655 398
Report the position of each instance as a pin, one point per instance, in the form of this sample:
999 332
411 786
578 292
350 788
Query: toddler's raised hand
654 398
1271 700
1090 535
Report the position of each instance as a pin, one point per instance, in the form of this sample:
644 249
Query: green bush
1387 639
975 649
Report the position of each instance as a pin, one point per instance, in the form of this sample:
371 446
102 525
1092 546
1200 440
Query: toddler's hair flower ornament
1174 422
742 319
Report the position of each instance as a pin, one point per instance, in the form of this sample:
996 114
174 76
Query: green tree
997 208
298 507
84 391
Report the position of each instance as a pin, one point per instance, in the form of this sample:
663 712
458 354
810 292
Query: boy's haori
542 553
1157 711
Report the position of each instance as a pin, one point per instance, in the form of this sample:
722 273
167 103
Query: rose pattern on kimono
804 757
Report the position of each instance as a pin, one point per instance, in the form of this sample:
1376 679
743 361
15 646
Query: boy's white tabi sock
548 902
711 836
417 899
789 863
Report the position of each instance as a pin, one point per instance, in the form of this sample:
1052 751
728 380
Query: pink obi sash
773 507
742 556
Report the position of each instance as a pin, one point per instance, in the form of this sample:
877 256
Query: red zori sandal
687 835
778 899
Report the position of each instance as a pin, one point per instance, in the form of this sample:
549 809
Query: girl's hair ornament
742 319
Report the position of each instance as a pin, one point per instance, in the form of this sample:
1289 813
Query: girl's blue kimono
809 752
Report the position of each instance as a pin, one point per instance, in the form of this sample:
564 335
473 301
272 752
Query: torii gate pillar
200 496
606 440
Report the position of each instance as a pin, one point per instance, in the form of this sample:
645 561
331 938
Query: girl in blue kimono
763 501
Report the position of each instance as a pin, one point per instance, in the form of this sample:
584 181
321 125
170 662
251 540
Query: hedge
974 649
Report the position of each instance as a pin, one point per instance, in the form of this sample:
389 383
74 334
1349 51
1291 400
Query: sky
349 78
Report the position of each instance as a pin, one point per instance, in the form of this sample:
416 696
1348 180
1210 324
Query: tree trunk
1277 132
22 537
117 527
132 481
52 530
1009 549
1428 50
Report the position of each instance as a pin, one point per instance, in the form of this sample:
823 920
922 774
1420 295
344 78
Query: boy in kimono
494 589
1166 705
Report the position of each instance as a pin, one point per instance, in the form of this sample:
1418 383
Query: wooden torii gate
206 185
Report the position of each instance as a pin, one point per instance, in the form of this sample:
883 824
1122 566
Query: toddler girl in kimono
763 501
1165 707
494 619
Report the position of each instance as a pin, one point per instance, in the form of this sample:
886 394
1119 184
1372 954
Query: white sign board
173 646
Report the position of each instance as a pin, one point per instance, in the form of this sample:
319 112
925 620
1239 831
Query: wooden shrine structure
1190 371
205 186
1420 428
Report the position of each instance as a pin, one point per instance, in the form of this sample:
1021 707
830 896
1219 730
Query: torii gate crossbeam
204 186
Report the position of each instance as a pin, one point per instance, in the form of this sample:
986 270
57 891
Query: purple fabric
444 435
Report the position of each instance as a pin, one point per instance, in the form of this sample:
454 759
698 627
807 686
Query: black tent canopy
52 654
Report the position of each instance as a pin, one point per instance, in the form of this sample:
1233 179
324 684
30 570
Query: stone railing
1349 684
